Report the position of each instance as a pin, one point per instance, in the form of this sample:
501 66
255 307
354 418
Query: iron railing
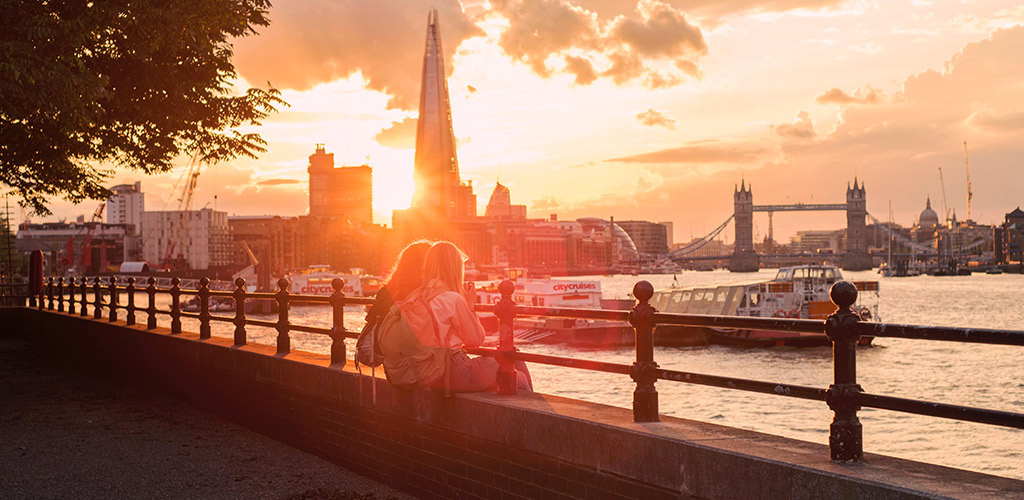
106 294
843 328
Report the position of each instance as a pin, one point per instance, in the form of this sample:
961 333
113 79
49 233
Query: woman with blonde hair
457 324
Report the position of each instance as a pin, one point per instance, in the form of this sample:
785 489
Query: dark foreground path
68 434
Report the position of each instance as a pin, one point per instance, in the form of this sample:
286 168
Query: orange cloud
864 95
654 118
801 128
399 135
582 68
710 152
623 44
998 120
316 41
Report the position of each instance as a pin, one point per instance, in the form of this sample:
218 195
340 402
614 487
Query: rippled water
964 374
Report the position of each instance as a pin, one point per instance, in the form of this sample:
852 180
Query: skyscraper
439 193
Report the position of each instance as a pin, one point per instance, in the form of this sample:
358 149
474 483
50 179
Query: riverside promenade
69 433
486 445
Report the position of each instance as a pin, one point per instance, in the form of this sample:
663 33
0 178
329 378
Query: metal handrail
843 328
53 295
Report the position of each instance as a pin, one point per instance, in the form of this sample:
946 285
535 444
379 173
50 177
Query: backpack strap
447 351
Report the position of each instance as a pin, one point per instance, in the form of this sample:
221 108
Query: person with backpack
457 326
405 277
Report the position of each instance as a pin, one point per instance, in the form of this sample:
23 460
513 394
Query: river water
963 374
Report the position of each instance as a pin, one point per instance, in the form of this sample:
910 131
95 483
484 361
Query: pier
507 445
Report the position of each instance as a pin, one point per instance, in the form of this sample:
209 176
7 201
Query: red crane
86 254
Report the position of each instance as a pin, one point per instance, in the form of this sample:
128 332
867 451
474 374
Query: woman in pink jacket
458 325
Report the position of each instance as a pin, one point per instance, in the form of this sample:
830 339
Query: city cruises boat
795 292
318 279
558 293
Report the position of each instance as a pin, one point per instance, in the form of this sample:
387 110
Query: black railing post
239 311
71 295
505 310
130 310
846 435
35 278
284 343
60 294
645 397
204 308
85 303
175 305
151 304
49 293
97 299
338 328
113 298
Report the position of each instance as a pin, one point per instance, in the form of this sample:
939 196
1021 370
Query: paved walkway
68 434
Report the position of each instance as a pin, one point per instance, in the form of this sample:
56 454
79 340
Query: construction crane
944 207
970 195
179 230
86 253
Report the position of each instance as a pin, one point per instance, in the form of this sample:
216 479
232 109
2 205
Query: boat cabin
795 292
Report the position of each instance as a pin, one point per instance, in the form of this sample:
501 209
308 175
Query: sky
644 110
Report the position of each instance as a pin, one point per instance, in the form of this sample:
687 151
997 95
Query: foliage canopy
126 83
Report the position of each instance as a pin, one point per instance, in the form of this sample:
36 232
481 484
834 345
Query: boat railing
845 397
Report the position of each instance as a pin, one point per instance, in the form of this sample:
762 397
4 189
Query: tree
127 83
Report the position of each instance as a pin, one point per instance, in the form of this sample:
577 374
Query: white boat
318 279
795 292
557 293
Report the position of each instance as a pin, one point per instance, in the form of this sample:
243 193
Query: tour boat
318 279
558 293
795 292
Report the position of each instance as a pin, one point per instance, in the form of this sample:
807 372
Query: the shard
436 171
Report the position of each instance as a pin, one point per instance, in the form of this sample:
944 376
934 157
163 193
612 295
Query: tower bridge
745 259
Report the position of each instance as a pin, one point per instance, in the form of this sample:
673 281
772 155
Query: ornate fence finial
175 305
49 293
284 343
60 294
71 295
151 304
239 321
112 292
85 303
845 440
97 299
130 309
645 396
204 308
338 328
505 310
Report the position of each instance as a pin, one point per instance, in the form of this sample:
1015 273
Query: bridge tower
856 257
744 259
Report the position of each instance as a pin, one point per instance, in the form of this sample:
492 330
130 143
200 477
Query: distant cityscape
339 230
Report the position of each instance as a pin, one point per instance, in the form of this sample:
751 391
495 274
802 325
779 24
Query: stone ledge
693 459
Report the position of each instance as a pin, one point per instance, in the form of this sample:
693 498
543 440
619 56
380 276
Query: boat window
659 300
684 303
695 301
720 298
830 274
673 302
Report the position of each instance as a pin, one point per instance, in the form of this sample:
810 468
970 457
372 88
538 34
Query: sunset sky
651 110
